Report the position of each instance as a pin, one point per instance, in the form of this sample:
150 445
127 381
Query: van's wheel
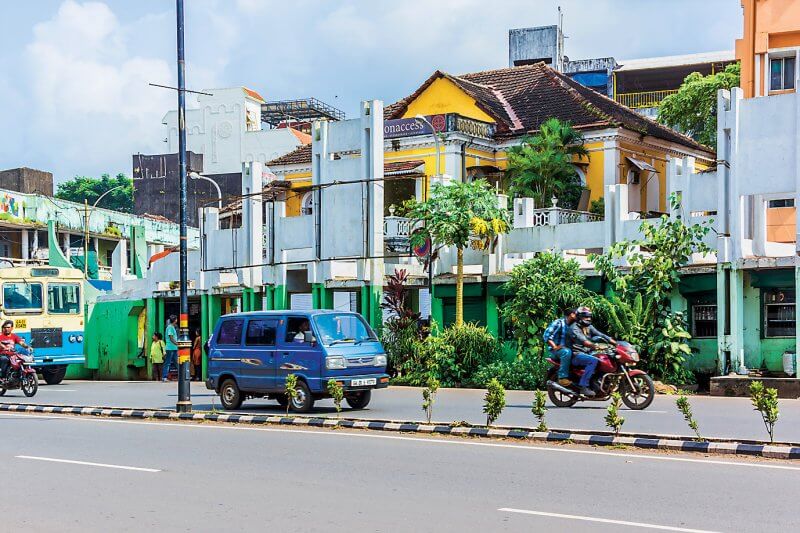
230 396
302 402
359 400
53 375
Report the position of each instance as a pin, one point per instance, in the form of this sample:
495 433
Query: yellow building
478 116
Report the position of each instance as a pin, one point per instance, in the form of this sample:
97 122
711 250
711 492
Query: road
86 474
717 417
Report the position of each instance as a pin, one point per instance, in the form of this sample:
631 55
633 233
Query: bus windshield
63 298
22 297
343 328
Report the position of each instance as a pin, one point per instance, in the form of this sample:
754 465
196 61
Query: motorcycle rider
555 336
8 343
580 334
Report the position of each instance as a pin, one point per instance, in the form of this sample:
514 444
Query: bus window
22 297
63 298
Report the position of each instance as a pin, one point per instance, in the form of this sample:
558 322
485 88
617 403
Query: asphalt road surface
717 417
85 474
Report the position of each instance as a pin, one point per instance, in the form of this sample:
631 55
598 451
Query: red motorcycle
21 375
614 373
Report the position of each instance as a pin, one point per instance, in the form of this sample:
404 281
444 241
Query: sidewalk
717 417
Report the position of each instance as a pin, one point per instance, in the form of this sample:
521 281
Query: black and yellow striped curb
652 442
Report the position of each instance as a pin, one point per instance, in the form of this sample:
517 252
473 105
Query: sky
75 94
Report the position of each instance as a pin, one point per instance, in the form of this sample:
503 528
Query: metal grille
46 337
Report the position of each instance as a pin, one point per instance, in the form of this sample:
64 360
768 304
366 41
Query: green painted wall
111 339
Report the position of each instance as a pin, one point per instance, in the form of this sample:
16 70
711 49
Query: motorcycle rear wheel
29 385
558 398
642 399
2 391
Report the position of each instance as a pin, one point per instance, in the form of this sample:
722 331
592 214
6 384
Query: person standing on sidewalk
197 356
171 342
158 350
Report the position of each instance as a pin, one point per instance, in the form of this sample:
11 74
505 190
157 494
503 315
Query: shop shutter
474 311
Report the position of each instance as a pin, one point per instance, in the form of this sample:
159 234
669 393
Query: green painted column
160 318
437 309
258 301
492 316
269 297
281 298
371 296
316 295
737 320
151 328
722 312
247 300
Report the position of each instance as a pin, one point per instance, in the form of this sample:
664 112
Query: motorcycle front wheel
30 385
642 397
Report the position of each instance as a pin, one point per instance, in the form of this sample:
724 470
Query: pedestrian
197 356
157 351
171 343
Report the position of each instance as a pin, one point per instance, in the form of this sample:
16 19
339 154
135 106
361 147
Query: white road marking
48 389
604 520
85 463
458 442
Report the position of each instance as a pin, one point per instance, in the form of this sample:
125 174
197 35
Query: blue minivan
250 355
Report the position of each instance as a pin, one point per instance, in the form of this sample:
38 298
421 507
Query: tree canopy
542 166
693 109
460 214
83 187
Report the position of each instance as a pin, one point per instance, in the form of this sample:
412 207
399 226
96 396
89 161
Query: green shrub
429 396
686 410
765 401
494 402
524 373
291 390
539 409
336 391
612 418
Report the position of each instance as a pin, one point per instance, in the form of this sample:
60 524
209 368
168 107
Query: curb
651 442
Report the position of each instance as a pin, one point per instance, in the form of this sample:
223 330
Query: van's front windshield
343 328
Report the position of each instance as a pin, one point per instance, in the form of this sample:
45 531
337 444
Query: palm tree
460 214
542 166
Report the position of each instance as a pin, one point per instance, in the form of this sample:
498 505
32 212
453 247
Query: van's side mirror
308 337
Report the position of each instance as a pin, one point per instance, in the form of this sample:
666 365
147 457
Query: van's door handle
286 353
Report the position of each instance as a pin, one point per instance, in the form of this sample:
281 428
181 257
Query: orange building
768 49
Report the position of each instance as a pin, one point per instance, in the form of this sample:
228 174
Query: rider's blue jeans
564 356
588 362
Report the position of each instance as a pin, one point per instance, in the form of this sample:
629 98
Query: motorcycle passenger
555 336
8 344
580 333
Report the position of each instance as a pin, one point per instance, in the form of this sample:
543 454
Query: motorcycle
614 373
21 375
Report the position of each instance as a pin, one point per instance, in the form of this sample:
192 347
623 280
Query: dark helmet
584 315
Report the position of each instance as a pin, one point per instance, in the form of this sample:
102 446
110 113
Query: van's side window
230 332
295 327
260 333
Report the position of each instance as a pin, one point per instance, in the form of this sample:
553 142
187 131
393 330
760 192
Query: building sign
410 127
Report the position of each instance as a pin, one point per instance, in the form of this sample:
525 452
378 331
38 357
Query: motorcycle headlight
634 356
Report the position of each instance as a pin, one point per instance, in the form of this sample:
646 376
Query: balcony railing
552 216
643 99
397 233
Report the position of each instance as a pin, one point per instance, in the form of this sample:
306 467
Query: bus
46 305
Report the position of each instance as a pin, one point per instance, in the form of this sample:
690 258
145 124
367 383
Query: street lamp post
86 216
184 404
421 118
196 176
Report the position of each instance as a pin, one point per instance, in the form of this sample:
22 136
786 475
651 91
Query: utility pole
184 404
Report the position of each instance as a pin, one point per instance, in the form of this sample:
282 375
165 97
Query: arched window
307 204
581 175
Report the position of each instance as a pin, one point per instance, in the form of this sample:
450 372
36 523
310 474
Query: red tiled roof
402 167
304 138
298 156
252 94
520 99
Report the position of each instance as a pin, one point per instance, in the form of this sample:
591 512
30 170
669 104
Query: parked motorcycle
21 375
614 373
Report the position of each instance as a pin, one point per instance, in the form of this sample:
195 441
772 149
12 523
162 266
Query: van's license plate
363 382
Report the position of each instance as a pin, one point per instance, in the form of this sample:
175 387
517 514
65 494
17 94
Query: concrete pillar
737 320
35 241
24 246
65 243
722 313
